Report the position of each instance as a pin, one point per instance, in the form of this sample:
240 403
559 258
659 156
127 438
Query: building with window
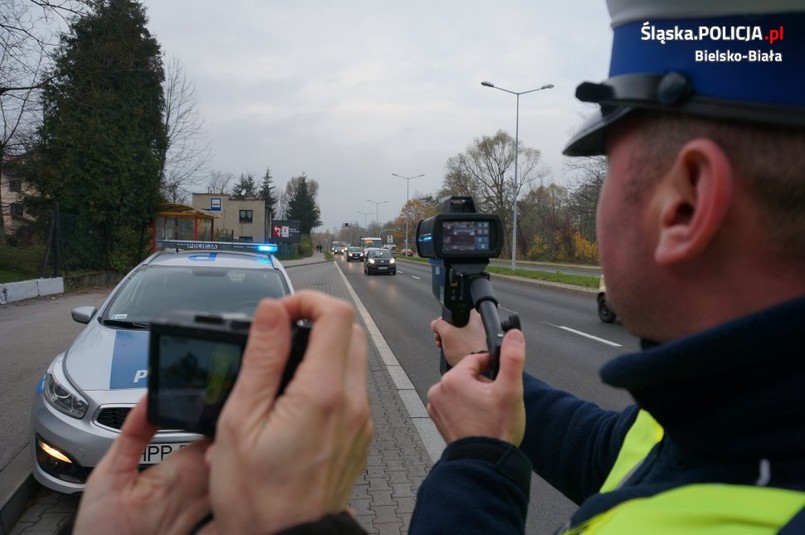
241 220
12 191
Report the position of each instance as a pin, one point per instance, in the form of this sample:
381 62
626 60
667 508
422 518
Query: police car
87 391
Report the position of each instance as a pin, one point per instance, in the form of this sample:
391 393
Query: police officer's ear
692 202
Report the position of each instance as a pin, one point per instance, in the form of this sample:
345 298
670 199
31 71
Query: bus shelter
181 222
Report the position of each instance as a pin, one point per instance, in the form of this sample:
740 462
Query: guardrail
17 291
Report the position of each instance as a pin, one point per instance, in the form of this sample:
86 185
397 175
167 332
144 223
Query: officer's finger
123 457
263 360
325 360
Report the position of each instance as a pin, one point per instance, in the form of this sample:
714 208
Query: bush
305 246
21 263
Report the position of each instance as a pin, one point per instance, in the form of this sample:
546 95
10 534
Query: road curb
17 488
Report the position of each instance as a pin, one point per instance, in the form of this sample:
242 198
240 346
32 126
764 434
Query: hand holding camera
296 456
277 460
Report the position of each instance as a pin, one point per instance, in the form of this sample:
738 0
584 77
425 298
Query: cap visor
589 140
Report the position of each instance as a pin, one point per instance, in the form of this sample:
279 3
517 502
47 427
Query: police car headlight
60 393
391 261
371 260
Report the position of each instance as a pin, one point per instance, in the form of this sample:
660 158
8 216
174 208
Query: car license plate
156 453
382 268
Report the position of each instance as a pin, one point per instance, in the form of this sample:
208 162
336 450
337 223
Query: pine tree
302 206
246 188
268 194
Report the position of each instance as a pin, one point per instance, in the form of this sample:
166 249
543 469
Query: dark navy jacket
731 401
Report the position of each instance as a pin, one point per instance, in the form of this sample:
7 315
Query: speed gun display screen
466 236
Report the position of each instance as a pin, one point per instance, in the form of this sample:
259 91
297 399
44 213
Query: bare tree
187 151
588 175
486 172
28 30
218 182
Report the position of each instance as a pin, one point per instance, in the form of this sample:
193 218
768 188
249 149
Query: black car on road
354 253
378 260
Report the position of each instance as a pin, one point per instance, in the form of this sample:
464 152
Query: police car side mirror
83 314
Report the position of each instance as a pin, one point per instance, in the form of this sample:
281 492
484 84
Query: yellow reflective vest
711 508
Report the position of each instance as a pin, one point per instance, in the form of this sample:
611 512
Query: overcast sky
351 91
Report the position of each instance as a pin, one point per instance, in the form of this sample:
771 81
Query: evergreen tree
103 139
246 188
302 205
268 194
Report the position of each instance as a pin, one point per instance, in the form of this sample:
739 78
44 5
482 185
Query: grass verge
584 281
20 263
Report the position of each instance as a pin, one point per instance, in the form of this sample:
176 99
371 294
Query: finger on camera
264 357
135 435
329 341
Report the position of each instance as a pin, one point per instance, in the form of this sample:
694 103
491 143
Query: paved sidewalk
400 455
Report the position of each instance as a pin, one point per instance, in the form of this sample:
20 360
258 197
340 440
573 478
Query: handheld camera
194 359
459 243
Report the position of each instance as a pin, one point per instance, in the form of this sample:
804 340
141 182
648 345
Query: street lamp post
516 157
364 217
377 210
408 180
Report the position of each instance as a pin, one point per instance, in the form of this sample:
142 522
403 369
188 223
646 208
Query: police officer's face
626 234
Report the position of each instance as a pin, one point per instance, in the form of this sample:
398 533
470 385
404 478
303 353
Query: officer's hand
455 342
170 497
279 462
466 403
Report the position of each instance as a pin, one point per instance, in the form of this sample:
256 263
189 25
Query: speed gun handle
486 304
494 338
483 297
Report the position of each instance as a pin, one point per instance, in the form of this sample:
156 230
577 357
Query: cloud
352 91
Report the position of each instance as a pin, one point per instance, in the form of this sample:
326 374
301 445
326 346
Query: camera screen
466 236
195 378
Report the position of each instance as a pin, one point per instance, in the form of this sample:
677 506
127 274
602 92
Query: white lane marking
415 277
590 336
433 441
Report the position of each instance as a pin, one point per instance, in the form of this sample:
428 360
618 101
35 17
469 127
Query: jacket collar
735 392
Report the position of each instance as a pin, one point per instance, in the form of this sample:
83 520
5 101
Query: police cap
725 59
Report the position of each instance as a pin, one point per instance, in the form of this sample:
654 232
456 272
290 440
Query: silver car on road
87 391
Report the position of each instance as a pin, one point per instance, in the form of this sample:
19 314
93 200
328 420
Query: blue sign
215 204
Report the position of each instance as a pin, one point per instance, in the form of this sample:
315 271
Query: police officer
701 228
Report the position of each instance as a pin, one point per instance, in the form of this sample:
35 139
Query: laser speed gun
459 243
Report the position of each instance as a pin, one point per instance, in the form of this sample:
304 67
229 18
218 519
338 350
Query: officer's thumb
512 358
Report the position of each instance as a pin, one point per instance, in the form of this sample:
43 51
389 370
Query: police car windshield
154 289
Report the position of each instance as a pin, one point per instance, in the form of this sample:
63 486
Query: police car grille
113 417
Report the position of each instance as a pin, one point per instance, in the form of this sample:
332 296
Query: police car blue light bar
267 248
